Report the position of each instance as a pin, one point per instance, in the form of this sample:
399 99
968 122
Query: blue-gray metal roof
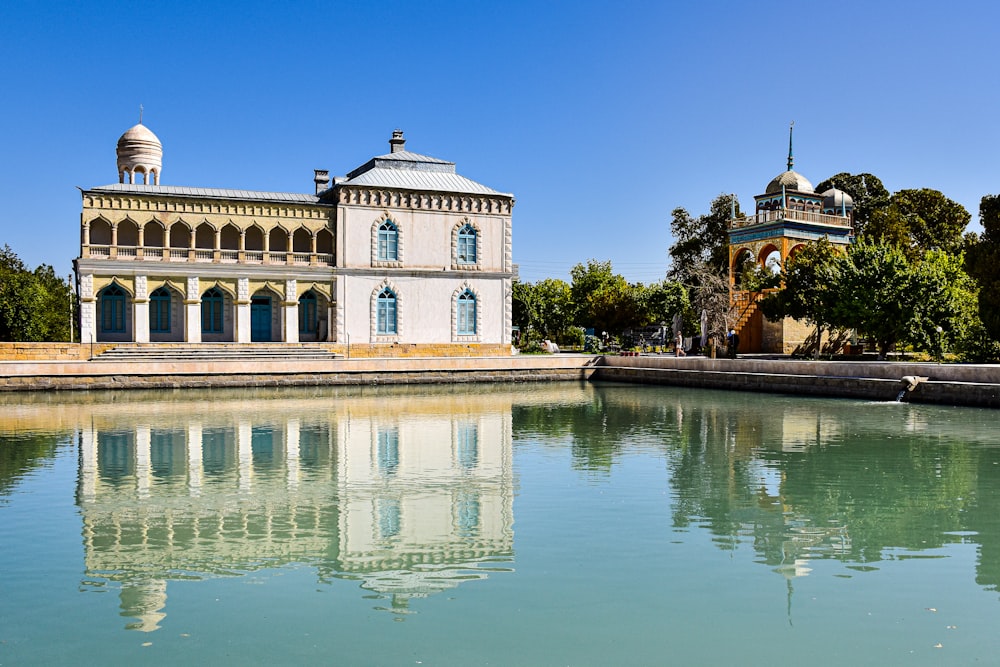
412 171
206 193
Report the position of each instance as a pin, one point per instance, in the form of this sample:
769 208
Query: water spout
910 383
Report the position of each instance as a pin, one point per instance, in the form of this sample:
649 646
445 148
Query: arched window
211 311
467 245
388 242
159 311
385 315
113 309
308 320
466 313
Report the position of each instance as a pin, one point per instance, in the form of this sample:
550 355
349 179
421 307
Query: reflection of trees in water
799 478
21 454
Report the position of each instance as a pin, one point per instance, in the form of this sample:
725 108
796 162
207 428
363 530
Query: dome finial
140 114
791 160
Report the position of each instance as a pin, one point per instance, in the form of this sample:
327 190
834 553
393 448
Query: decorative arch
254 238
100 232
277 239
388 241
224 287
204 236
229 237
324 242
301 287
114 306
302 240
179 234
770 257
465 245
741 259
466 314
153 234
128 233
386 312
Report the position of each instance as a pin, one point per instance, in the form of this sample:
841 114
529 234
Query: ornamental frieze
433 201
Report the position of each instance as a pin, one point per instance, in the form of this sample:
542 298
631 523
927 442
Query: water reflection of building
409 502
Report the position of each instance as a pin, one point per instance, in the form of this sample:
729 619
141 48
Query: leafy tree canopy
34 305
983 263
701 241
865 189
919 220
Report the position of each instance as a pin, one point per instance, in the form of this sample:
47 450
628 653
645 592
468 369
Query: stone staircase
218 352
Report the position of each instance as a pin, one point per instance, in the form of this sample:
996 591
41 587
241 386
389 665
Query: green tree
602 299
874 293
34 305
943 305
523 307
662 300
554 302
701 241
865 189
920 220
983 263
809 287
56 306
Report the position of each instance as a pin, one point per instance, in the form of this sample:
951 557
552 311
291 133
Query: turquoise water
557 524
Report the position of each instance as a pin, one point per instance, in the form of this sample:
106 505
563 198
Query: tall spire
791 160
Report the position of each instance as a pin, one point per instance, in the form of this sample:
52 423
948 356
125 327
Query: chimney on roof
322 179
397 142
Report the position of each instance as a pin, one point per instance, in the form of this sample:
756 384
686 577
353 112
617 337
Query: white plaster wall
425 305
425 237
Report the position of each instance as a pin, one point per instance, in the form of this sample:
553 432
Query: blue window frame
308 321
159 311
211 311
113 309
466 313
467 245
385 315
388 450
467 445
388 242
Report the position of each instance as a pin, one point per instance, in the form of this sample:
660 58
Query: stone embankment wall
948 384
84 351
84 375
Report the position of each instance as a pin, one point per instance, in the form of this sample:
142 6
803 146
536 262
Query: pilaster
192 312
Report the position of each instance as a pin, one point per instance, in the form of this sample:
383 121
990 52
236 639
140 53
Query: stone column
140 311
88 309
194 456
290 315
242 310
143 469
192 312
292 453
88 463
244 454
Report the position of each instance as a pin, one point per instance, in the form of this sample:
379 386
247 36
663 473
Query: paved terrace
950 384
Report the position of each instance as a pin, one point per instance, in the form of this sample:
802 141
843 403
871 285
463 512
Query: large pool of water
556 524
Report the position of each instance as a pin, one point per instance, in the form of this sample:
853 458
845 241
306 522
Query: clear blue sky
600 117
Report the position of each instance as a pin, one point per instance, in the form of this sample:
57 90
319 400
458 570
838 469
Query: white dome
139 152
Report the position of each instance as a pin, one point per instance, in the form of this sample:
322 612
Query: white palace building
401 256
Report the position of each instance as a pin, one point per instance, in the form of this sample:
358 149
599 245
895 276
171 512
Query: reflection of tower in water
409 504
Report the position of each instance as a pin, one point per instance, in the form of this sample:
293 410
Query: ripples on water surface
559 524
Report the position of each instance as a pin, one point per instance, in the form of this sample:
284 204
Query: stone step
218 352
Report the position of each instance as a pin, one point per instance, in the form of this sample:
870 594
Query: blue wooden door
260 319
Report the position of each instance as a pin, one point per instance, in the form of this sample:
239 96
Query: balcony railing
205 255
789 214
